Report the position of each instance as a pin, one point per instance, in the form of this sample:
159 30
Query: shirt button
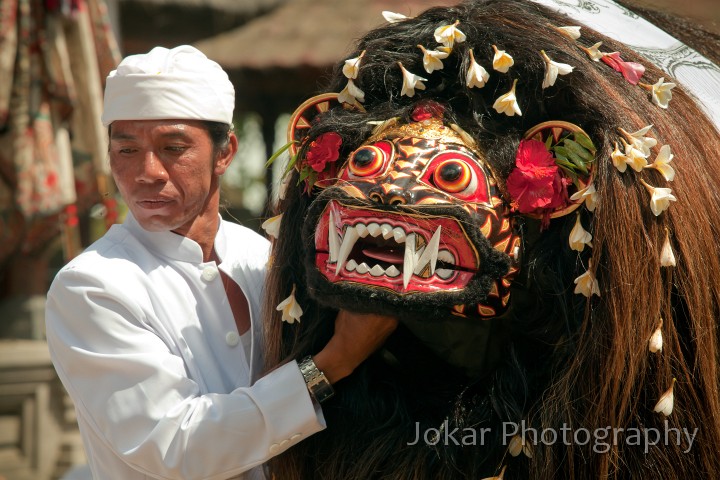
209 274
274 448
232 339
296 437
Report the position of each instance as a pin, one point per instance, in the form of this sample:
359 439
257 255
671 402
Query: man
154 329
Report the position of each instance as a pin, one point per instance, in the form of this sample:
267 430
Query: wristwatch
316 381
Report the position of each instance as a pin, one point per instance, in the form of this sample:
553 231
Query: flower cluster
320 159
548 164
536 185
634 154
661 91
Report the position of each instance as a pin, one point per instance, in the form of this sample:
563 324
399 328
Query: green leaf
585 141
305 173
548 142
572 156
291 163
279 152
570 173
579 150
563 162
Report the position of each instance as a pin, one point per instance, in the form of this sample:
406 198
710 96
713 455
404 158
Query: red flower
426 110
325 148
630 70
536 182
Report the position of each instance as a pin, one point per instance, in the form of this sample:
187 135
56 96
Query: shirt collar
172 245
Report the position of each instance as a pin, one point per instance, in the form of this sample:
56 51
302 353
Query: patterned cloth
699 76
53 57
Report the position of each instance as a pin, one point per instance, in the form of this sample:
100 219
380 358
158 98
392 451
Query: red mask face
416 223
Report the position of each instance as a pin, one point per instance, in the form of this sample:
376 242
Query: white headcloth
699 76
181 83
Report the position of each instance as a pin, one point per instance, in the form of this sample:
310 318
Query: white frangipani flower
411 82
662 163
476 76
579 237
660 198
588 195
352 66
272 225
655 343
619 159
351 93
639 140
667 257
393 17
291 310
594 52
571 32
518 445
553 69
587 284
502 61
635 158
448 35
667 401
661 92
432 59
507 103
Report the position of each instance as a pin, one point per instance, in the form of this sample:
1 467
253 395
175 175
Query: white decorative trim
697 74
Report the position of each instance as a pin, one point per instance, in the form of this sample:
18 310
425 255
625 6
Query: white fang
351 236
333 238
429 254
409 260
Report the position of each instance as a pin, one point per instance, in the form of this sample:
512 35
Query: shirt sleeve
134 392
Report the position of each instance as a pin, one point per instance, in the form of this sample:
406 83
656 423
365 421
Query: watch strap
316 381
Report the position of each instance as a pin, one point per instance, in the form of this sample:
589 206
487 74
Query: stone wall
39 439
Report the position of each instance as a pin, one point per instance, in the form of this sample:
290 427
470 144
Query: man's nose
152 169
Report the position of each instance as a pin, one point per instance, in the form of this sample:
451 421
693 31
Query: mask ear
561 146
303 116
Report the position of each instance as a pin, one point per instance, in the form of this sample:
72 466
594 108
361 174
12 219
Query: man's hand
356 337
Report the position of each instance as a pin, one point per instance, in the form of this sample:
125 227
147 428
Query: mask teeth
420 261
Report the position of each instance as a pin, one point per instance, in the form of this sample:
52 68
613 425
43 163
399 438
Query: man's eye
127 151
176 148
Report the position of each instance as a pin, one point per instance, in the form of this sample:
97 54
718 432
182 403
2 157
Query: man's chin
157 222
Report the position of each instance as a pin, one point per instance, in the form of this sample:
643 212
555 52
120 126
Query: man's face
165 170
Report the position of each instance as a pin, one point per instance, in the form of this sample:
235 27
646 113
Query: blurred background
56 195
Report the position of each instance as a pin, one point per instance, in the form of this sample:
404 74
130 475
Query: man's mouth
154 203
404 252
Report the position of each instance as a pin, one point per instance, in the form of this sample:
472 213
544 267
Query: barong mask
411 221
546 269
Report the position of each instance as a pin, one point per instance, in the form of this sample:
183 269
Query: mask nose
391 196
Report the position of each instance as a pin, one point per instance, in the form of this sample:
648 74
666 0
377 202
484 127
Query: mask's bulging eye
452 175
458 174
366 161
369 160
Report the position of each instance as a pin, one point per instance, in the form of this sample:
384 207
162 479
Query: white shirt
144 340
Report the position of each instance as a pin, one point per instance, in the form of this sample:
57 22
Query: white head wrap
181 83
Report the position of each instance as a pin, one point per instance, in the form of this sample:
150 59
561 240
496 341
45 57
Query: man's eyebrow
167 135
176 134
121 136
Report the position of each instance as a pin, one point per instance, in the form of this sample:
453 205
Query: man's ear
227 154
